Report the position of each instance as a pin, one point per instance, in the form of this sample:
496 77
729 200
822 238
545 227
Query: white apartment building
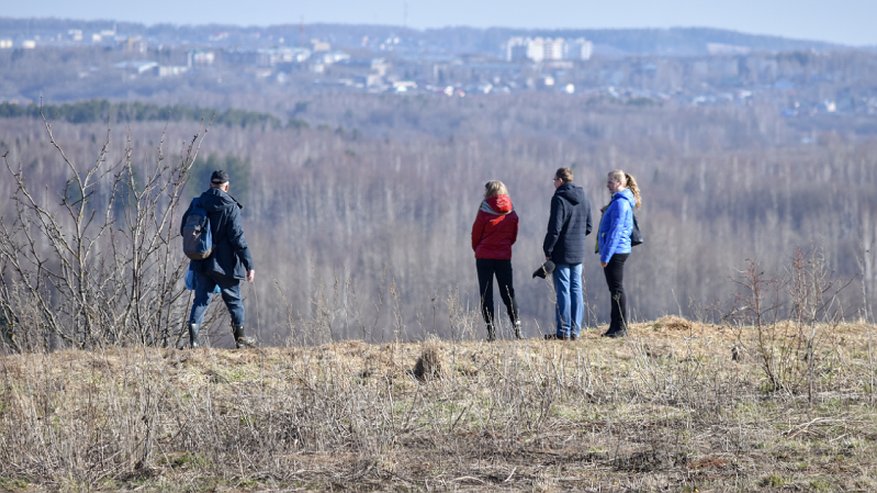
547 49
202 58
579 49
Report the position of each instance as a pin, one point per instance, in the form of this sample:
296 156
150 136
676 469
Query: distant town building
516 50
5 44
390 43
318 46
335 57
135 44
201 58
539 49
400 86
273 56
171 70
534 49
28 44
138 67
380 66
579 49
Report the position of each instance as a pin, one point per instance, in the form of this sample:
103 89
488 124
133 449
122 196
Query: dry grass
669 408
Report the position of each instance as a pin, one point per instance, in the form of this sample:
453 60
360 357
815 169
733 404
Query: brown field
676 406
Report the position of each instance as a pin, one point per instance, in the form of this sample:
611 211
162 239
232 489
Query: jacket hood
571 193
497 205
627 195
215 200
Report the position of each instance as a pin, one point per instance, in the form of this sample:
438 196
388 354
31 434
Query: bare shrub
789 314
95 263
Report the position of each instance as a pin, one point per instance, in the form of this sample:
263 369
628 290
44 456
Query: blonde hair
493 188
564 174
628 181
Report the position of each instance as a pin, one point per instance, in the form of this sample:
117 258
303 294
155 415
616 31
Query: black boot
491 333
240 339
615 333
555 337
193 335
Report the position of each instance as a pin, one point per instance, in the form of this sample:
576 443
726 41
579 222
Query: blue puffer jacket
231 255
568 224
615 226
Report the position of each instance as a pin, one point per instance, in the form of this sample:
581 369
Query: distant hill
644 42
691 41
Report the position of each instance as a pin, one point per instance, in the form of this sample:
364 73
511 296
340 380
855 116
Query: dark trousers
614 272
502 270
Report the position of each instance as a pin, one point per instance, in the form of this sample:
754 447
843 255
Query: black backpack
636 238
197 237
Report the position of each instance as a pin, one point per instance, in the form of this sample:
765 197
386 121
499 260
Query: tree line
99 111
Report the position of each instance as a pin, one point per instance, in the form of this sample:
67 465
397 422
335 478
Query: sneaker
491 333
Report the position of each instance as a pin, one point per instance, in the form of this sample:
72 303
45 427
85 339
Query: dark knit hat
219 177
544 270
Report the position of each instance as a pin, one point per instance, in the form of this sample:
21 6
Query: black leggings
502 269
614 272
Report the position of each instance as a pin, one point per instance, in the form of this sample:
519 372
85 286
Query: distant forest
102 111
359 221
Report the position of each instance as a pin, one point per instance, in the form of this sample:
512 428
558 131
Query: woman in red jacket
493 234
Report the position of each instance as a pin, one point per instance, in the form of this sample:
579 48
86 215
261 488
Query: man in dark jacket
568 225
228 264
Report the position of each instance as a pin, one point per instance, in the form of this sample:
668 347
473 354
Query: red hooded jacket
495 229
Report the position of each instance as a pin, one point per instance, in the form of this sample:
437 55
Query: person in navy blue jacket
613 244
228 264
568 223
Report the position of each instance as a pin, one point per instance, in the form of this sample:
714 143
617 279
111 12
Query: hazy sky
841 21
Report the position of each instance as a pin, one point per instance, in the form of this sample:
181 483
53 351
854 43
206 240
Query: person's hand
251 275
603 264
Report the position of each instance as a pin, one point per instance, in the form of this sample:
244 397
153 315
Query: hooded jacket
495 229
615 226
231 255
568 224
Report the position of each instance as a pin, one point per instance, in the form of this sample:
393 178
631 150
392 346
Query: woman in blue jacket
613 243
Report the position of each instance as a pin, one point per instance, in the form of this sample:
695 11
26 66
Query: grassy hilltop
676 406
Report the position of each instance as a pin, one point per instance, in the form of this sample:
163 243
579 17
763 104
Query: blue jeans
230 292
570 300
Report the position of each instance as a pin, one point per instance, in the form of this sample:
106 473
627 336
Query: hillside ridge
674 405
